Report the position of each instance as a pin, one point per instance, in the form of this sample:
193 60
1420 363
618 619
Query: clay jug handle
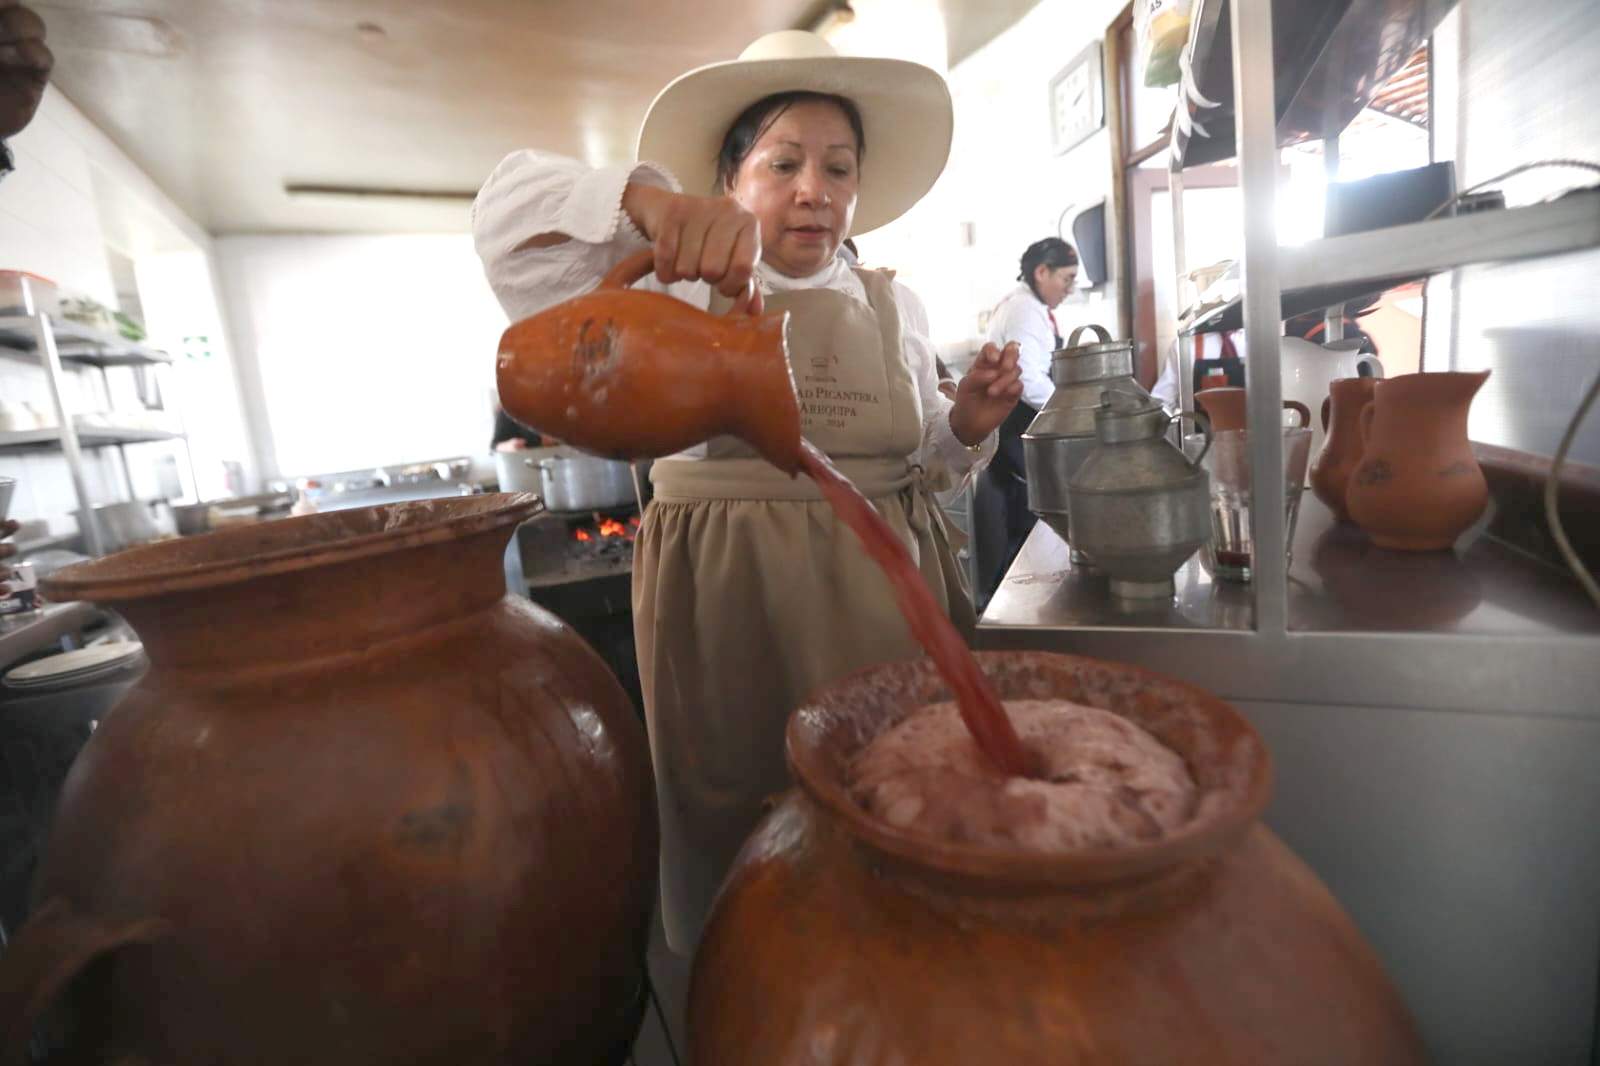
632 269
1099 331
638 266
1203 424
1326 400
1367 414
1302 410
55 946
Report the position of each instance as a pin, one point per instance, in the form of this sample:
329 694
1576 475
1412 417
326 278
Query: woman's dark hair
758 118
1052 252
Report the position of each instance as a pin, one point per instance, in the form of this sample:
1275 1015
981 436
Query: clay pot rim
244 553
817 766
1406 382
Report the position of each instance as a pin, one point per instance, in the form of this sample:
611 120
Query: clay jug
1227 409
1418 485
1341 417
363 808
633 374
839 939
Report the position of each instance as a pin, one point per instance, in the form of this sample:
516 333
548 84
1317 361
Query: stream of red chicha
981 709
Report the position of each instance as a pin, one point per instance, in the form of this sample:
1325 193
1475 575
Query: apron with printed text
748 594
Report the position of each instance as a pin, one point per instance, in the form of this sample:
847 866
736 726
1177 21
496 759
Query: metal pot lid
1070 423
1132 454
1104 345
80 665
1128 416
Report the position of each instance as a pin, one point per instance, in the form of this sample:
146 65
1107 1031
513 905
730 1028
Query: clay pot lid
283 545
1227 757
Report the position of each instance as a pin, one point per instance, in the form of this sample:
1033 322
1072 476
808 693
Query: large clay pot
1418 485
632 374
839 939
1226 407
364 808
1341 417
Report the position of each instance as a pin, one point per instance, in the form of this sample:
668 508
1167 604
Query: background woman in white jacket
1026 317
748 593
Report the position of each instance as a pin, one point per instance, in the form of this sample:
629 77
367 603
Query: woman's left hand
986 394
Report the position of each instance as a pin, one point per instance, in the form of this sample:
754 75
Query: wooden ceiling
225 103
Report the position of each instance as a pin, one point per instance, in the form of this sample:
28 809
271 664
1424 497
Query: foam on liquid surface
1103 781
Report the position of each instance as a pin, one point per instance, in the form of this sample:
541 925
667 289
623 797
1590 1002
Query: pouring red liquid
981 709
684 376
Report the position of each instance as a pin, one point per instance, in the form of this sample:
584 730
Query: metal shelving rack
1283 633
1432 717
57 344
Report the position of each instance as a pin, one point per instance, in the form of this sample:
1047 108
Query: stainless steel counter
1434 723
1484 629
20 637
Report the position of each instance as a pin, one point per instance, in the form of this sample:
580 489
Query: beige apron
748 594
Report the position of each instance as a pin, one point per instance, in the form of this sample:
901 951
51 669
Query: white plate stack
74 667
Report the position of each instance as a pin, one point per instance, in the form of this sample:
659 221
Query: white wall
73 195
49 220
1003 177
1520 87
362 351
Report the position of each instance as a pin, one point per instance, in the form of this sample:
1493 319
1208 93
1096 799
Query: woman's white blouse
532 193
1023 317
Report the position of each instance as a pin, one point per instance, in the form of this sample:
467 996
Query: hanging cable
1580 164
1552 484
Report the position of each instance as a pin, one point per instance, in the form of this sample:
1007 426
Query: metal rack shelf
77 343
55 345
26 548
1327 66
88 437
1322 273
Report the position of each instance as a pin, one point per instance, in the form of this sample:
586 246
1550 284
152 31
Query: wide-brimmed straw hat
905 108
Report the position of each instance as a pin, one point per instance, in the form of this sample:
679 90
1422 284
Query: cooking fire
604 528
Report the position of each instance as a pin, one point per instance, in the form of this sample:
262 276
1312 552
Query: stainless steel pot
1062 435
577 482
192 518
122 525
1139 507
518 471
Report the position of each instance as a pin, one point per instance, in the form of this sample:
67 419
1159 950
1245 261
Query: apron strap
688 480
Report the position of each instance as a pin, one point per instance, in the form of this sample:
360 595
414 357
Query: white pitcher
1308 369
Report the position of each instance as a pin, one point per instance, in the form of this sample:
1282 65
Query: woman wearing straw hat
747 592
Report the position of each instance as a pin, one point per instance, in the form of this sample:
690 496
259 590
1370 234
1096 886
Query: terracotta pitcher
632 374
1226 408
1341 418
363 808
840 939
1418 485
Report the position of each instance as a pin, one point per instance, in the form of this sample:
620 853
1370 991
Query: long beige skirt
741 608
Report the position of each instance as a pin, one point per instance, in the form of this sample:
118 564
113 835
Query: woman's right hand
698 238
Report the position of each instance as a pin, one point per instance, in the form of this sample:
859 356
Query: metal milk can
1062 434
1139 508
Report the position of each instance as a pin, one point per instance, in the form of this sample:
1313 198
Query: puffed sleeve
1021 319
533 194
